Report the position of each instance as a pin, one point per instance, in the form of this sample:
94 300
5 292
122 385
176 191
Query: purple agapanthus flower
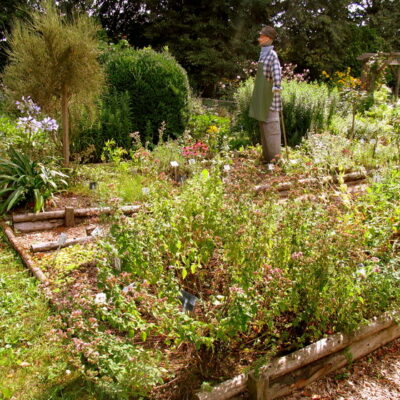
28 106
31 122
49 124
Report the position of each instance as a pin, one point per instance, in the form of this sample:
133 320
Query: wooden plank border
352 177
286 374
37 272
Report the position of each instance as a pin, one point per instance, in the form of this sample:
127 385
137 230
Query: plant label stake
97 232
116 263
61 241
92 185
188 301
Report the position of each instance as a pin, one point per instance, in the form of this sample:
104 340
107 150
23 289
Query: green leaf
14 198
205 174
184 273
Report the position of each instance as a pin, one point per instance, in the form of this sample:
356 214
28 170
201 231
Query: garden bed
123 293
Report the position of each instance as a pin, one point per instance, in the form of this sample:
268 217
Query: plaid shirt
272 71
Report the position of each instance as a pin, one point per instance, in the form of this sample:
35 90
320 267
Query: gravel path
374 377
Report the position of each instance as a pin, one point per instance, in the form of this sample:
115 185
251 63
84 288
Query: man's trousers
270 136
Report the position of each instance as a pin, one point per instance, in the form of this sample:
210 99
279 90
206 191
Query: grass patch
33 363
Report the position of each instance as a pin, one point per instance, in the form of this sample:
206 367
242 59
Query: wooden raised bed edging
37 272
286 374
285 186
52 219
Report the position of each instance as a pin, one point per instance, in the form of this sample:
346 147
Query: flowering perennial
196 150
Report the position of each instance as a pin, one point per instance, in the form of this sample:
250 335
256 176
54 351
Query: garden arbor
383 60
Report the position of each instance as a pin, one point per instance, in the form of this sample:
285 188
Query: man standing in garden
266 101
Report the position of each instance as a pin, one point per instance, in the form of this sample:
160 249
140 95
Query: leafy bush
25 180
303 277
114 122
306 107
210 129
158 89
246 127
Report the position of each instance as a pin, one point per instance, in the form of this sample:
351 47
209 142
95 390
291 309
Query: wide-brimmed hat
269 31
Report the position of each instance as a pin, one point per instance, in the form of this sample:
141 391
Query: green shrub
306 107
245 127
158 89
9 131
22 179
114 122
210 129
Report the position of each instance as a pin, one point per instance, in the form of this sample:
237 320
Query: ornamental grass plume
54 60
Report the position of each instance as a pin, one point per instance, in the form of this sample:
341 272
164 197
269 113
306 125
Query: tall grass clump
307 107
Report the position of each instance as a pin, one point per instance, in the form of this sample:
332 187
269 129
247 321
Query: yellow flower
212 129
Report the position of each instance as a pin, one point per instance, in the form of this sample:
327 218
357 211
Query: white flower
67 372
293 162
372 141
271 167
377 178
174 164
101 298
192 161
145 190
227 167
126 289
362 273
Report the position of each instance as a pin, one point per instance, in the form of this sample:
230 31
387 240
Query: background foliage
213 40
157 87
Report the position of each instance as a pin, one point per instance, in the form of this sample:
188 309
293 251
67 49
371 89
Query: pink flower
296 255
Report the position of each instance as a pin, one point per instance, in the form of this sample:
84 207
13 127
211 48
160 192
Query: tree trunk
65 124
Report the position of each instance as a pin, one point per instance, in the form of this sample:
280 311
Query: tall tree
123 19
211 39
384 17
10 9
314 32
54 61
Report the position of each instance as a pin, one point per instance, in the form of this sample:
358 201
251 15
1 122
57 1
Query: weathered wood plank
47 246
284 186
78 212
69 216
299 359
303 376
324 347
37 272
225 390
33 226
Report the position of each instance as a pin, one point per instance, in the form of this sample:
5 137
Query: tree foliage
214 40
54 60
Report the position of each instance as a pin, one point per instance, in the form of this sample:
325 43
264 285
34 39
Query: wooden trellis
391 60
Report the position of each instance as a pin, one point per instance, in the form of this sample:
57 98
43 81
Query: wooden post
69 216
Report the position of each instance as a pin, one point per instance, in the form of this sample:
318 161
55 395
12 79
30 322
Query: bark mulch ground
374 377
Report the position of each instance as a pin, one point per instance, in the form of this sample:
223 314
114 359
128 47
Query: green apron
262 96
